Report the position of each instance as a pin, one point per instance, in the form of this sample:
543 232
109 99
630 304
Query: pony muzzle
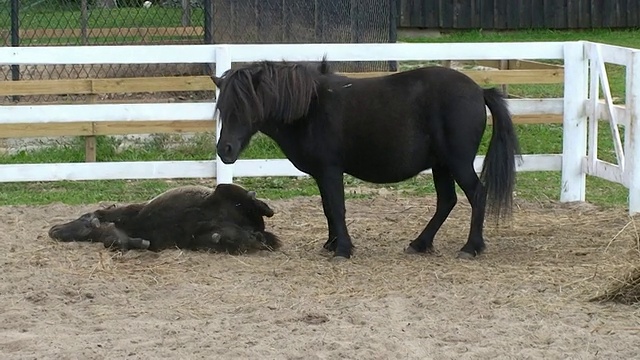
228 152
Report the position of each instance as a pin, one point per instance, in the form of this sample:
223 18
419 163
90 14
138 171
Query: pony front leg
331 188
331 243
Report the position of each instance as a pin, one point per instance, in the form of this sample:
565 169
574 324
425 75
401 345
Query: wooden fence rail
93 87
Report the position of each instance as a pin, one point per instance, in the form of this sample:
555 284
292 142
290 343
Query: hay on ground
624 291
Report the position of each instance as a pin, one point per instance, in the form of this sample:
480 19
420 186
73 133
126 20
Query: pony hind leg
475 192
446 201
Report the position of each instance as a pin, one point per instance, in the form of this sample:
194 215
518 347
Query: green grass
539 139
126 17
50 17
531 185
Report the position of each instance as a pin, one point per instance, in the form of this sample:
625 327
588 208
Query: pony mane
267 89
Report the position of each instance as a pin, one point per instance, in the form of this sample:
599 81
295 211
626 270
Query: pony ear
324 65
217 80
264 208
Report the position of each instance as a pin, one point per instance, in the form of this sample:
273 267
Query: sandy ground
527 297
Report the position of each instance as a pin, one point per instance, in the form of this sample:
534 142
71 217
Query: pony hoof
410 250
330 246
433 252
430 251
145 244
465 255
215 237
339 259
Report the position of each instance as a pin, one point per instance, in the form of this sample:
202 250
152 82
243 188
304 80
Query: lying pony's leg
116 239
233 239
138 243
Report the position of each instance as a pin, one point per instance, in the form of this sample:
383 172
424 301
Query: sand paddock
526 297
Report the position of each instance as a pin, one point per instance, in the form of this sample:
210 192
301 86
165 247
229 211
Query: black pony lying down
225 219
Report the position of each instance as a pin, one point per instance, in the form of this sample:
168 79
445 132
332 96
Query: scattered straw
624 291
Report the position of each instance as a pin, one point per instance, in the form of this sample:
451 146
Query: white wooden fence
579 106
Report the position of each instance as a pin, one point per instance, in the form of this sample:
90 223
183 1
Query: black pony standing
381 130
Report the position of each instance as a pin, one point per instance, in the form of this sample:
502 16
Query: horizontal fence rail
143 54
47 114
122 118
200 83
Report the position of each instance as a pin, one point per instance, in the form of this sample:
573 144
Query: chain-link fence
149 22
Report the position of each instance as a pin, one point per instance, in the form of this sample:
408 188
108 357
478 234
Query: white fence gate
581 107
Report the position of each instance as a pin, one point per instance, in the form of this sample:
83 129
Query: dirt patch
527 297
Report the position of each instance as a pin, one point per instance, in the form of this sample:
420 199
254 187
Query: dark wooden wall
518 14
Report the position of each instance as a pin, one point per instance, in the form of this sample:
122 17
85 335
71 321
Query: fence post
632 158
393 30
15 39
208 21
574 129
224 172
186 13
84 21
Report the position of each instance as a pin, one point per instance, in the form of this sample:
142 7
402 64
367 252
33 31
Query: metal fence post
15 39
224 172
393 30
574 134
208 21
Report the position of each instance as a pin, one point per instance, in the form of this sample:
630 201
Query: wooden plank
512 9
596 13
104 128
487 14
560 14
430 15
153 84
516 76
204 83
447 14
526 12
633 14
504 65
548 13
537 14
90 143
474 14
462 14
572 14
168 127
401 14
415 13
103 86
610 13
516 64
501 14
45 130
112 32
538 119
583 14
485 77
154 127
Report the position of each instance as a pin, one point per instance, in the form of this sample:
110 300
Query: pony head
274 92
